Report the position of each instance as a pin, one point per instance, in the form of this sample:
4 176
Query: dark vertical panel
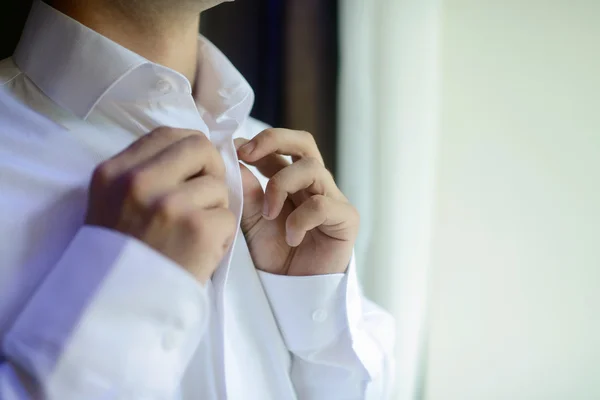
288 51
311 73
330 80
273 62
13 14
249 32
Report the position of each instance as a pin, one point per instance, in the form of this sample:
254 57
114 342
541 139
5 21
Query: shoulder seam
12 79
9 71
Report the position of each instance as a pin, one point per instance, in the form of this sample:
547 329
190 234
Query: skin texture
155 10
163 31
168 188
301 224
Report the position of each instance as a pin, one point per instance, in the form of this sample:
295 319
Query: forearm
355 366
341 344
112 318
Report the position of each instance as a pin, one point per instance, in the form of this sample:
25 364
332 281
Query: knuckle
230 225
218 189
160 134
293 222
102 175
221 186
267 135
318 203
230 222
313 163
136 184
275 184
312 146
168 208
210 156
308 137
196 141
196 225
223 192
168 133
214 230
216 183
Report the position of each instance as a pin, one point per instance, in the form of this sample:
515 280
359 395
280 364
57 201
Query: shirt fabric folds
88 313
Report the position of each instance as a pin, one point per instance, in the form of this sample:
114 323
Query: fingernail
239 142
266 209
248 148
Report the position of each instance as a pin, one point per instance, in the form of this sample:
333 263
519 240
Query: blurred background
467 133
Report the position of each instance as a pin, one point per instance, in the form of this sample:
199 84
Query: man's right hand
168 190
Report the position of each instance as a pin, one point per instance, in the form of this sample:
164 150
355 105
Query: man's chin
206 4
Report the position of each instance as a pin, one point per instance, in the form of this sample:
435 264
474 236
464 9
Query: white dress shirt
88 313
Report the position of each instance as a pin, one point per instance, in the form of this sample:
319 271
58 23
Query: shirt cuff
114 310
310 310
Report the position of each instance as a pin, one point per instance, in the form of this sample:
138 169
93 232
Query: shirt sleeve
114 319
342 344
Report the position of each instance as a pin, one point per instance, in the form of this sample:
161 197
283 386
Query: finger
215 231
239 142
189 158
222 228
297 144
268 165
205 192
334 218
146 147
307 174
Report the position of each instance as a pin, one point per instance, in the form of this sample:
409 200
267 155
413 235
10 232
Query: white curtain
387 147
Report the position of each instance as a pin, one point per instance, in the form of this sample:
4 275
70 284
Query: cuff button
170 341
320 315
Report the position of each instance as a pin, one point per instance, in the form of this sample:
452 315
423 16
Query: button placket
164 86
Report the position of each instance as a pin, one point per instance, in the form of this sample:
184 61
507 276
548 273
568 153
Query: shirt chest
44 182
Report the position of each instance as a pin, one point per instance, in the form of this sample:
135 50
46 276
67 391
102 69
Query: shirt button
179 324
224 93
163 86
319 315
170 341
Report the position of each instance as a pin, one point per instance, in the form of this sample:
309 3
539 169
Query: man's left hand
302 224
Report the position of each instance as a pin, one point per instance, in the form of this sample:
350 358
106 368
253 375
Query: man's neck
167 37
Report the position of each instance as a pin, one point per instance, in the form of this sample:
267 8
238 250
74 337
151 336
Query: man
175 276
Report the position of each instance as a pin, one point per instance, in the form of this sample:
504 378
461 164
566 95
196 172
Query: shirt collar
76 67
